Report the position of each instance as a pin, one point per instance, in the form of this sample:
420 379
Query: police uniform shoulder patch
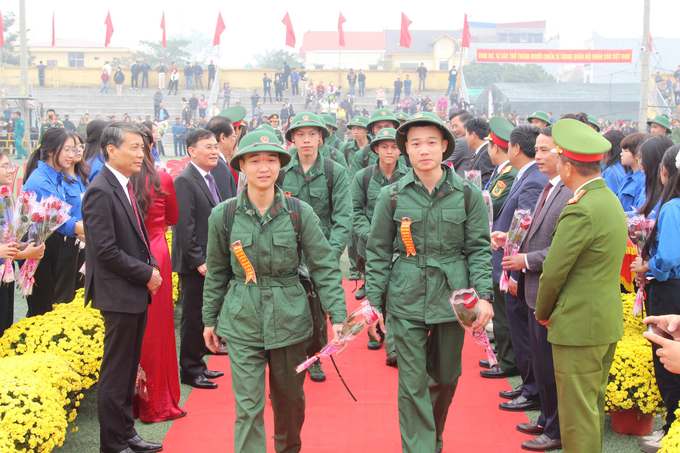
506 170
498 188
576 197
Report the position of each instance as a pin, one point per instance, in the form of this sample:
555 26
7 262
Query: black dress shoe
200 382
484 364
222 351
496 373
141 446
511 394
520 404
212 374
533 429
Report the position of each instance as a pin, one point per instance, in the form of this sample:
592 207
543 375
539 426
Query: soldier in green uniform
358 126
269 128
402 117
274 122
50 122
333 141
322 184
380 119
503 176
579 296
660 125
324 149
253 288
540 119
365 189
441 227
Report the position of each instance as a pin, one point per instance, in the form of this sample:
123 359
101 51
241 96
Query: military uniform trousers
501 332
429 368
581 375
248 365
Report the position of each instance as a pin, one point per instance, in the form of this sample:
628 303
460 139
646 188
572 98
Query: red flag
467 37
163 27
341 20
290 34
219 29
53 40
405 36
109 29
651 47
2 32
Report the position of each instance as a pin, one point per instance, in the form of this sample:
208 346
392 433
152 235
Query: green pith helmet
307 119
539 115
358 120
423 119
500 131
579 141
329 120
256 142
268 128
592 120
402 116
661 121
382 115
383 134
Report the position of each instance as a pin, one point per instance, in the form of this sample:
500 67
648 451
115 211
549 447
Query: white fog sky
256 26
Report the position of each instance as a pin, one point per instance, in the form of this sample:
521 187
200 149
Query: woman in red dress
155 194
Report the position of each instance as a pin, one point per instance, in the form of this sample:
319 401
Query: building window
52 63
76 59
515 37
443 65
535 37
96 58
503 37
318 66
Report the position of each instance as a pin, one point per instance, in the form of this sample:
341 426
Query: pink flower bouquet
639 228
464 303
519 228
15 220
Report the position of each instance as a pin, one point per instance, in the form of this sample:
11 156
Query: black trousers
133 81
192 345
6 306
115 391
42 299
501 332
544 372
67 265
518 315
267 91
663 300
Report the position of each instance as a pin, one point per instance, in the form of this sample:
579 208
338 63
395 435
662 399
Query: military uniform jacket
334 142
579 290
274 312
366 157
335 213
365 197
500 186
351 149
419 287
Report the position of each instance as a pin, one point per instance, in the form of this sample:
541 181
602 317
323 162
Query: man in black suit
121 277
476 131
227 141
461 159
197 194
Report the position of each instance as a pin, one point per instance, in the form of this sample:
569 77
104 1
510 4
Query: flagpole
644 72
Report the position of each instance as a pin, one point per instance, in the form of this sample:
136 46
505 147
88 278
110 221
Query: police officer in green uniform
274 122
365 189
252 287
50 122
441 227
540 119
579 297
358 126
322 184
503 176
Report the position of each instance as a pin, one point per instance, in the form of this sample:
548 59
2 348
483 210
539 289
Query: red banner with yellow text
554 56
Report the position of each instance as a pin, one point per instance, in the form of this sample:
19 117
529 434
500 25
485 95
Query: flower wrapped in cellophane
475 177
47 215
521 221
358 321
16 220
464 303
489 207
639 228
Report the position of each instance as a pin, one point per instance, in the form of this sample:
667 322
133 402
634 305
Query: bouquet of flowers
47 215
519 227
489 207
358 321
475 177
639 228
464 303
15 218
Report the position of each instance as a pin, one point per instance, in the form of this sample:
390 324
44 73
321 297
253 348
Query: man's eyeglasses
209 148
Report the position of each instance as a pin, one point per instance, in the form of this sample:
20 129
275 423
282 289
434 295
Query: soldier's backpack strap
229 214
367 156
467 194
328 173
295 212
282 176
368 174
394 191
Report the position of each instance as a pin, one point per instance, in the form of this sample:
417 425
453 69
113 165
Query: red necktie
544 196
134 207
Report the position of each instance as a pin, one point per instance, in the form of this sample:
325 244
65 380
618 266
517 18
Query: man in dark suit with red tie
197 195
121 276
526 269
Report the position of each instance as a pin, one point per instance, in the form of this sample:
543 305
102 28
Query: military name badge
406 236
576 197
245 262
498 188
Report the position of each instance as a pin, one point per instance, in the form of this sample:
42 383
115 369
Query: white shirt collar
524 169
501 167
200 170
556 180
481 146
588 182
223 158
122 179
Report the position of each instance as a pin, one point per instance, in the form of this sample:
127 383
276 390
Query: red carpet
475 424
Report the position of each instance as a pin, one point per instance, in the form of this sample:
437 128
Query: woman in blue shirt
93 150
650 156
44 177
71 257
631 192
660 260
613 171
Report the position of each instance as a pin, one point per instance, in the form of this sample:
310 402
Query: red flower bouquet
15 219
464 303
519 228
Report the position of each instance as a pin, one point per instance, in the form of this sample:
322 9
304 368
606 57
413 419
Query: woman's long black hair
51 142
652 151
93 141
146 184
82 168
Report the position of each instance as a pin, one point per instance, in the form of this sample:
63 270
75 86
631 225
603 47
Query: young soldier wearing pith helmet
322 184
441 227
366 187
253 287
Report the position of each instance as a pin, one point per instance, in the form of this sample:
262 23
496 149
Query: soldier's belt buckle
421 261
264 281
